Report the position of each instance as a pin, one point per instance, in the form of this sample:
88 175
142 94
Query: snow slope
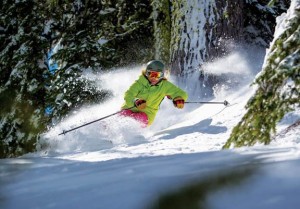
114 164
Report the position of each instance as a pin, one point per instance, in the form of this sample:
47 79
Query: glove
178 102
140 104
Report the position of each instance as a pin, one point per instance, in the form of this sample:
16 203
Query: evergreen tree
73 34
278 89
259 20
22 68
85 36
134 40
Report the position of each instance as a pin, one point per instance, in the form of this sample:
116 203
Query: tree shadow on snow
199 194
201 127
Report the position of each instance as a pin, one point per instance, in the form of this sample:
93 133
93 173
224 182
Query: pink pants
139 116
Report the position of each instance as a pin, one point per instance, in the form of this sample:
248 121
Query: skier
147 92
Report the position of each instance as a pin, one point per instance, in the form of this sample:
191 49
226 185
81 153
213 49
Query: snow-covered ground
176 163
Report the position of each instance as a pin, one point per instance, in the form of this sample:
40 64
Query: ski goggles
154 74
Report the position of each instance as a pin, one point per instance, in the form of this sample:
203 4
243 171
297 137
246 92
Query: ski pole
66 131
224 103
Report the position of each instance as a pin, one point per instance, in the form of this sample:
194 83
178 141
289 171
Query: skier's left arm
178 95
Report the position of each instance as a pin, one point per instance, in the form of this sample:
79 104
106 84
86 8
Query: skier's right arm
131 94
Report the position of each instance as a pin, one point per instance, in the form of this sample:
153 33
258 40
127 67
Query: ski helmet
155 65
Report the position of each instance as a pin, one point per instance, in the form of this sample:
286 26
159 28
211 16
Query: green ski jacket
153 94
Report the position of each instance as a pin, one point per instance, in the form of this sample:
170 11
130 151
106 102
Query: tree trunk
200 29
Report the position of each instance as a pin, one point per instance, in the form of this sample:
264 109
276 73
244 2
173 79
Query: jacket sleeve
131 93
174 91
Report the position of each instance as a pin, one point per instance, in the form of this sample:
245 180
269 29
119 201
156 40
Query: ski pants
139 116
